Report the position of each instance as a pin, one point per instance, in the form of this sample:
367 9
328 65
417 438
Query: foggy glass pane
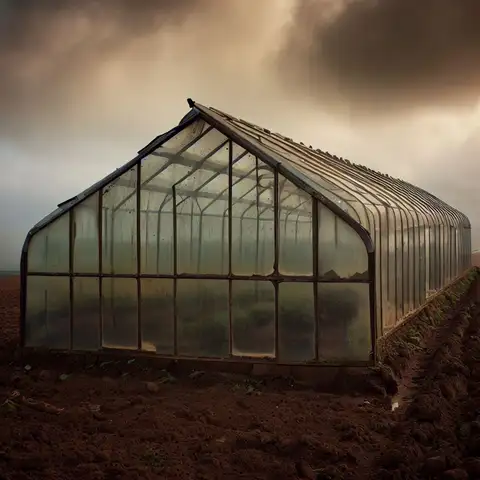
49 248
253 319
85 236
390 313
296 322
203 318
253 245
156 233
157 315
341 252
120 313
119 217
86 313
199 172
202 211
47 322
295 216
343 322
188 236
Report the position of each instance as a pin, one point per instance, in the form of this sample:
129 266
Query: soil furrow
432 434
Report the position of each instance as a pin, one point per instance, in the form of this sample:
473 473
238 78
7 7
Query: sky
391 84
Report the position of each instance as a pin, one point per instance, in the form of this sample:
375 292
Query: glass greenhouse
223 240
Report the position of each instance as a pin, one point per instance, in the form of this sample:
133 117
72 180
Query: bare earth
111 422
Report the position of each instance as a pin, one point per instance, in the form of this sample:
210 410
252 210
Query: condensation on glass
224 240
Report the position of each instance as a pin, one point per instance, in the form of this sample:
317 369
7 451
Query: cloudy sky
392 84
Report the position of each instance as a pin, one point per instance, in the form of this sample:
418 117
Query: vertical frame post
315 225
139 253
373 302
229 219
276 237
175 271
71 237
100 265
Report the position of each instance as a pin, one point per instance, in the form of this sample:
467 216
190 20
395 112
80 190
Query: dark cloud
380 54
51 51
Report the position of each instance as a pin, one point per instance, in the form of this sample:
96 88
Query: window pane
341 252
199 173
296 322
49 248
343 322
119 239
188 235
295 215
202 318
86 314
202 211
253 318
253 245
156 231
85 229
120 316
157 315
156 218
47 322
390 313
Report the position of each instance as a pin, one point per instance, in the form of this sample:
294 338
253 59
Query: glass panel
86 314
158 169
186 136
253 319
159 172
341 252
296 322
295 216
188 235
441 258
411 261
399 260
120 314
203 318
157 315
47 322
405 261
156 231
199 173
343 322
85 236
382 259
48 250
253 245
390 312
202 212
119 239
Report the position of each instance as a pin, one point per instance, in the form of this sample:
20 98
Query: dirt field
107 422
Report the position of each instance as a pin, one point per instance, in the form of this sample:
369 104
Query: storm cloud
376 55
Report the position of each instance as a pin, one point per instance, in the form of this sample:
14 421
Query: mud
114 420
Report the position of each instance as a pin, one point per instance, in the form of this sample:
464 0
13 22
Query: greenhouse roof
357 193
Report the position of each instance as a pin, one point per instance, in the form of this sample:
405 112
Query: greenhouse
222 240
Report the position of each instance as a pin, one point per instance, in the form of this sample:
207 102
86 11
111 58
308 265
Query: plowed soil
109 422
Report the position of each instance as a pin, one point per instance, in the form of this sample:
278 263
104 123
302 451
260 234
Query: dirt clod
152 387
455 474
435 465
304 470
